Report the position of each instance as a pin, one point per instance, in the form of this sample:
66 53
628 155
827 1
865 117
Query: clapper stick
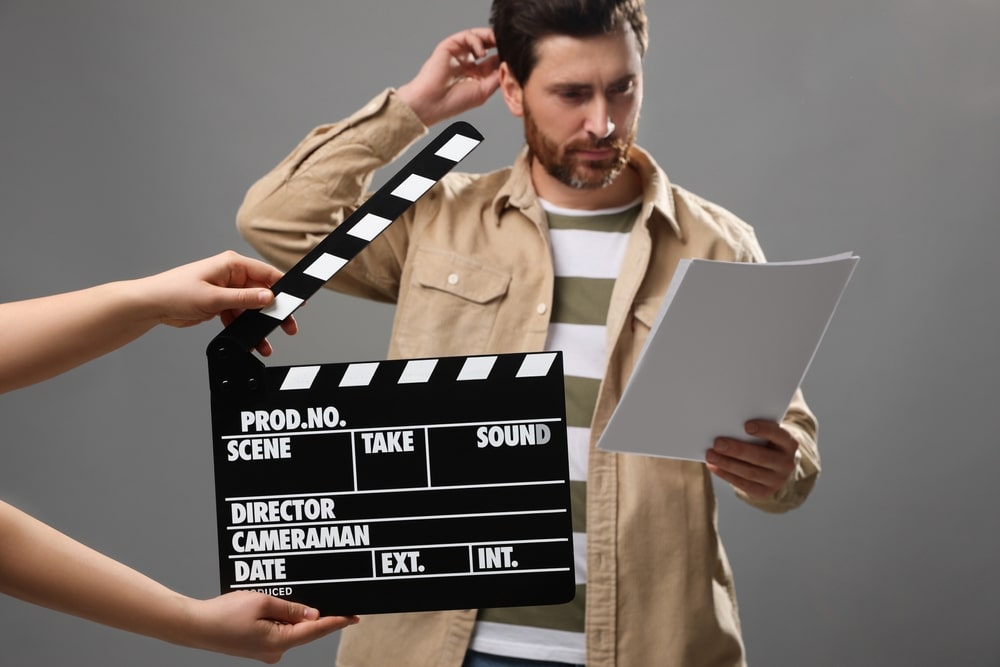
229 354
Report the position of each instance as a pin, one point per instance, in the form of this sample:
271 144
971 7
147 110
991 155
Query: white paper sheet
732 342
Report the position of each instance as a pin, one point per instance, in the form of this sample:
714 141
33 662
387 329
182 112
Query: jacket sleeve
292 208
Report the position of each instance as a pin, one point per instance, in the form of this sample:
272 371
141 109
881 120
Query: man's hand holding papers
758 469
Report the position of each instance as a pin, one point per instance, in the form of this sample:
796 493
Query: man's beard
564 166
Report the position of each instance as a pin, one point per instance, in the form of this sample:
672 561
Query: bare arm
40 565
50 335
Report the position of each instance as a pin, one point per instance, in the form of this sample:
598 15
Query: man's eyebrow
567 86
571 86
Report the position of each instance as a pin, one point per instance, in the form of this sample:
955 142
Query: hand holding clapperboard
389 486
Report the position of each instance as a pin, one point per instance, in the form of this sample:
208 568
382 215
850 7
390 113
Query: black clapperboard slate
389 486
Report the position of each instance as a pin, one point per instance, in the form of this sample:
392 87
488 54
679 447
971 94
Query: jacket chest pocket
451 305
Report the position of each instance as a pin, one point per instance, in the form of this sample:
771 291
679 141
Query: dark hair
519 24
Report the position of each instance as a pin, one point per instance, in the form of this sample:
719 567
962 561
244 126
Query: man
571 249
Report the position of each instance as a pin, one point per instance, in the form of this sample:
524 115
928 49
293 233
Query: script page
732 342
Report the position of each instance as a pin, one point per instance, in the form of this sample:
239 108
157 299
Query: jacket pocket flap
458 275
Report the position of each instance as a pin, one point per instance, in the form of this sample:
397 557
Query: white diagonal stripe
457 147
359 375
580 557
536 365
325 266
417 371
284 304
371 225
299 377
563 646
582 346
413 187
583 253
477 368
578 444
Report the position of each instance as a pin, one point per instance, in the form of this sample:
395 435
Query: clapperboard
394 485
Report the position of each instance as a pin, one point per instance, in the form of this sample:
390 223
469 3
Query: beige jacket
470 271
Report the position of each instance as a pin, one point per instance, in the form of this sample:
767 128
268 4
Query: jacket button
453 279
541 308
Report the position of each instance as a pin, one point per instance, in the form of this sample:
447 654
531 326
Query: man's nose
598 121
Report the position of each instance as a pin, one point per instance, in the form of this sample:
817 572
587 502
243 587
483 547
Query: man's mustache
607 142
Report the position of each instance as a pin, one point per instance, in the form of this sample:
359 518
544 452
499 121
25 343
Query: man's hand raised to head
459 75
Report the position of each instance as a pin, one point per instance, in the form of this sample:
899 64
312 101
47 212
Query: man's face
581 107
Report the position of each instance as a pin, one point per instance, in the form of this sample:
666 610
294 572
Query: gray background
130 132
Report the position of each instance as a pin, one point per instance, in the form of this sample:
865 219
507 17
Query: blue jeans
476 659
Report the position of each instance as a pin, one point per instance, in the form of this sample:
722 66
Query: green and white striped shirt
587 252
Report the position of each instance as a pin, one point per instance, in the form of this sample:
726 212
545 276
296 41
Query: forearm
288 211
40 565
50 335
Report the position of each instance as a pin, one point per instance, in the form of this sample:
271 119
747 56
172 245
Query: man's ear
511 90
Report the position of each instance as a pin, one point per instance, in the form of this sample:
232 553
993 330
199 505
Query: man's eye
623 89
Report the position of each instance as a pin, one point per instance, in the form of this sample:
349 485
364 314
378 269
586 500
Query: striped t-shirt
587 252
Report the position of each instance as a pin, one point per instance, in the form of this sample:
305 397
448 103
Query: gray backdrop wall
130 132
